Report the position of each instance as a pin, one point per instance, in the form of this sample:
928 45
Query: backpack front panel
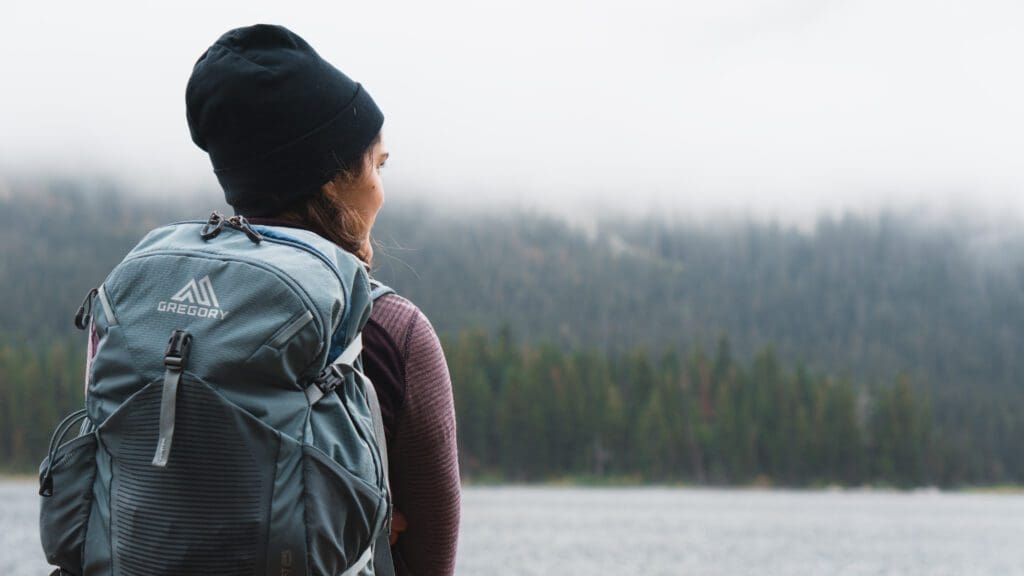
205 512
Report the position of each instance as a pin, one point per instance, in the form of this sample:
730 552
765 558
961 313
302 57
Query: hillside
872 301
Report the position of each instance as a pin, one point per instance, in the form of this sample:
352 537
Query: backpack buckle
332 377
328 381
177 349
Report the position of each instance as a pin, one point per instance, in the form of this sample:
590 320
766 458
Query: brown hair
327 214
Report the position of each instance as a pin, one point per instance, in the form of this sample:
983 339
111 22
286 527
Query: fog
768 108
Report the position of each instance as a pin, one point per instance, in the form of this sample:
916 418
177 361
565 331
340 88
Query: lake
653 531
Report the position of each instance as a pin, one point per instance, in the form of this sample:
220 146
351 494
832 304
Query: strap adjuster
331 378
333 375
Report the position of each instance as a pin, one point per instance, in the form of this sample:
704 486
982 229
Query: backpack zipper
323 258
108 310
294 243
291 330
295 286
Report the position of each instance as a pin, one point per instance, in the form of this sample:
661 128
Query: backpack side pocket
343 512
64 513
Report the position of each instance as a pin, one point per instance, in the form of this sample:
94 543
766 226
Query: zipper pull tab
175 359
85 311
238 222
212 227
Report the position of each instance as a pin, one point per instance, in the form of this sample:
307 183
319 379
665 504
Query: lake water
652 531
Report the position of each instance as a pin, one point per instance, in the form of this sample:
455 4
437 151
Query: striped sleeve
423 456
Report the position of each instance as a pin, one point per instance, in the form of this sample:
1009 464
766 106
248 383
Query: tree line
534 412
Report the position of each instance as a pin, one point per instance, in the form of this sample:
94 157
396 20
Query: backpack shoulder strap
378 289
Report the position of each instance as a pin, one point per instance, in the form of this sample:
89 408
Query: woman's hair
327 214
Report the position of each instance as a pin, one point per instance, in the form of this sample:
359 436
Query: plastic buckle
329 380
177 349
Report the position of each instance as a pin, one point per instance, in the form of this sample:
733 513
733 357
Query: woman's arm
424 458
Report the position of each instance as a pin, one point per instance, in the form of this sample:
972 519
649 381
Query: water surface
652 531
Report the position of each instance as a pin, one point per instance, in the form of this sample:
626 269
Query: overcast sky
767 107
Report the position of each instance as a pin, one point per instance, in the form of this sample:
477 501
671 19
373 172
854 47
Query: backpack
228 427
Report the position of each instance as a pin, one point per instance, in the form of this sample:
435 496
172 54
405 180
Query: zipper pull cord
85 310
212 227
46 482
238 222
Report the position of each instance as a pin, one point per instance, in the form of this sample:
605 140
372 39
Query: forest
864 350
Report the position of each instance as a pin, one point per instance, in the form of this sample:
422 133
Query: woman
295 142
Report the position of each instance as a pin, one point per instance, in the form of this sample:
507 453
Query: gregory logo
196 298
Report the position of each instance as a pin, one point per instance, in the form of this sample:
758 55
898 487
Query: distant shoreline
763 485
18 477
997 489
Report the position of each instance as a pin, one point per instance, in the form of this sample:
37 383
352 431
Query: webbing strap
359 564
314 393
168 407
348 356
174 360
383 563
378 421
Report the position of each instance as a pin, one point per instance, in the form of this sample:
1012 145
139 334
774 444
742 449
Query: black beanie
277 120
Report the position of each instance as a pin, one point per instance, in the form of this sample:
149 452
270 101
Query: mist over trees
866 350
867 298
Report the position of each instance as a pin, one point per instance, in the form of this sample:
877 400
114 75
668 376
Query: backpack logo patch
196 298
198 293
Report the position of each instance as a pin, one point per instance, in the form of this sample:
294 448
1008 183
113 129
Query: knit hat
277 120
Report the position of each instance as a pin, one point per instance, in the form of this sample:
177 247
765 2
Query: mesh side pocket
343 513
64 516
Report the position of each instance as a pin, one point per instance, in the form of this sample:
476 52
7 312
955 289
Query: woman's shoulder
392 304
401 319
404 341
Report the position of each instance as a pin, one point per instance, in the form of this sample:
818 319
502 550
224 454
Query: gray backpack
228 428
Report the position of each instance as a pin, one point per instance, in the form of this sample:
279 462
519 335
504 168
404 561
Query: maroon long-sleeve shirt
403 358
